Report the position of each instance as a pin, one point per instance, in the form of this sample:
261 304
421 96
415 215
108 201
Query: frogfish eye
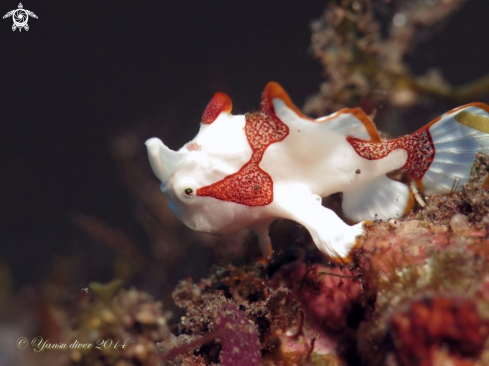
188 191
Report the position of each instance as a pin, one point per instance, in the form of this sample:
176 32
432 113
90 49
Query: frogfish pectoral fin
380 199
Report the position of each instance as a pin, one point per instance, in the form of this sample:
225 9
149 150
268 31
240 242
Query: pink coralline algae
240 345
440 328
425 281
328 298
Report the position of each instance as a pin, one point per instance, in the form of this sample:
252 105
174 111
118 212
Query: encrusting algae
416 294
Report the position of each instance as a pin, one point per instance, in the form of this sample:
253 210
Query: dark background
87 71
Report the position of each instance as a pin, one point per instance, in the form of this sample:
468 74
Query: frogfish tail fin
444 150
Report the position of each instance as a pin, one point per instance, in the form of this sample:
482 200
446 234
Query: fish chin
189 213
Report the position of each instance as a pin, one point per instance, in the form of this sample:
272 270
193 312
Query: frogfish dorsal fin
219 103
274 90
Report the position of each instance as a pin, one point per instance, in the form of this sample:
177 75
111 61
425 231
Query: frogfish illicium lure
245 171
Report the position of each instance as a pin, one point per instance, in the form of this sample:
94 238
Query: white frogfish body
245 171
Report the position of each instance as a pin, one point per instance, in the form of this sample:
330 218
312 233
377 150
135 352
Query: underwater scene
244 183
